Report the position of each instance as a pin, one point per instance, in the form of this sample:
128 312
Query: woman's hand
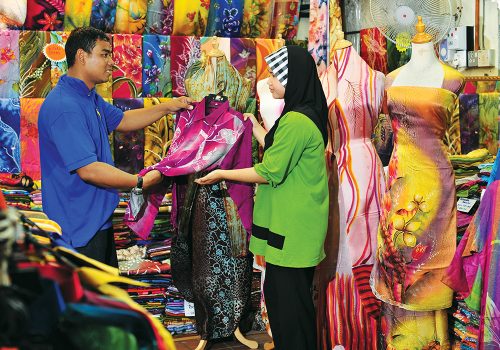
211 178
252 118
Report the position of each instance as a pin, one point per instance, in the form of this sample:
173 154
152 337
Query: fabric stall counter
10 125
45 15
9 63
160 17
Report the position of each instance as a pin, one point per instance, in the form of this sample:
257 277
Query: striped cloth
278 62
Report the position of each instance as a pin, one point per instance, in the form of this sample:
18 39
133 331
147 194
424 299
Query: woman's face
277 90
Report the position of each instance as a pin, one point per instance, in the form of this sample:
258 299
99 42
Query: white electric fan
396 19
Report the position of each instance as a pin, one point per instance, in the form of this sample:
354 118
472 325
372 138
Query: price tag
465 205
188 309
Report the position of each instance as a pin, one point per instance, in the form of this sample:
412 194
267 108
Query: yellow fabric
190 17
77 14
82 260
48 225
121 17
157 136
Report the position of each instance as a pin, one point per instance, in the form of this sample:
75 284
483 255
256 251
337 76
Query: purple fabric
202 142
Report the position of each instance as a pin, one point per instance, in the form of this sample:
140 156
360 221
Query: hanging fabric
160 17
225 18
186 51
35 67
469 122
156 80
77 14
10 124
103 15
157 136
9 63
46 15
244 59
30 152
257 16
318 33
374 49
190 17
488 121
127 55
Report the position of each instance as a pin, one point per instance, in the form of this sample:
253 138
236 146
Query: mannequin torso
423 69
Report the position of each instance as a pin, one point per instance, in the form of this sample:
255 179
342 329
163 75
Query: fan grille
393 17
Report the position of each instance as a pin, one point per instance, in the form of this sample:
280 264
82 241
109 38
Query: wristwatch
139 182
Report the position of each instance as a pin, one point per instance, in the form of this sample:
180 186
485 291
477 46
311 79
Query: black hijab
303 93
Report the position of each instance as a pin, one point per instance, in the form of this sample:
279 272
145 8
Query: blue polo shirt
73 124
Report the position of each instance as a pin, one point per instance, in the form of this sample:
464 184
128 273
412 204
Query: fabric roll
225 18
10 125
244 59
156 81
45 15
9 63
160 17
30 152
103 15
13 13
35 67
263 48
374 49
318 34
157 136
77 13
129 147
488 121
257 16
285 19
127 54
469 122
186 51
58 66
190 17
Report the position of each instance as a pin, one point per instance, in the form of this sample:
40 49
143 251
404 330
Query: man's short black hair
83 38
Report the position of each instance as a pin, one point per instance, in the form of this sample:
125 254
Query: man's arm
136 119
104 175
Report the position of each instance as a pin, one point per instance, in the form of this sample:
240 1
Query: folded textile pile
465 327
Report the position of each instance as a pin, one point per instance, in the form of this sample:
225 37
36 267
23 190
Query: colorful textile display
354 94
34 66
186 51
451 138
257 16
77 13
265 47
474 273
129 147
13 13
285 19
10 123
225 18
244 58
58 58
160 17
130 16
30 152
318 33
374 49
200 81
156 80
469 122
103 15
190 17
9 63
157 136
334 25
417 231
488 121
127 77
45 15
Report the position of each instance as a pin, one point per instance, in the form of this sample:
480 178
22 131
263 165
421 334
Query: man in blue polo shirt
79 180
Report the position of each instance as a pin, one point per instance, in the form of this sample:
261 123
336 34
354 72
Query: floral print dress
417 231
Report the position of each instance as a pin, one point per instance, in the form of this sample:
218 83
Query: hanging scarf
303 90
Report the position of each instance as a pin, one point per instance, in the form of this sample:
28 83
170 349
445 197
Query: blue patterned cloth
10 125
103 15
156 80
225 18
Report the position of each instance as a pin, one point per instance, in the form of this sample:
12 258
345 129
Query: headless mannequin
424 68
213 55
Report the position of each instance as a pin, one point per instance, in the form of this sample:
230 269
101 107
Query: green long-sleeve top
291 211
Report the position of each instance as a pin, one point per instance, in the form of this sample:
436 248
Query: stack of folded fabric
175 319
36 200
468 188
469 164
19 199
465 327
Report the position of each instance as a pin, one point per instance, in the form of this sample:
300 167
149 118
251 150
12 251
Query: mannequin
354 94
215 75
417 231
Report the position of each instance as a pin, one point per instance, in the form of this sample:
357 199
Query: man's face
99 63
